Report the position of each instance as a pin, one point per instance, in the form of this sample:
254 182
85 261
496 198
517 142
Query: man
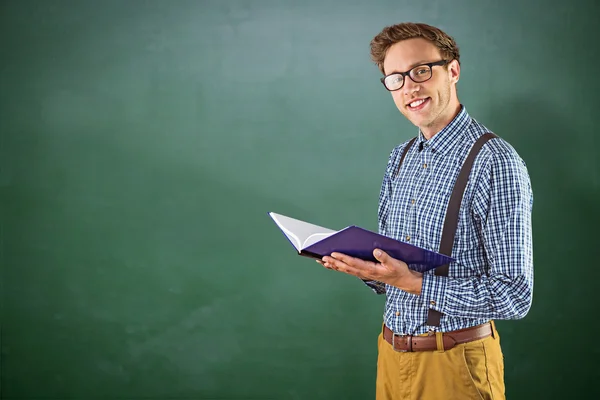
438 338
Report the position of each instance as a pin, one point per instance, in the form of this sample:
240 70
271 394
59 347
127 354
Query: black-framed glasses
418 74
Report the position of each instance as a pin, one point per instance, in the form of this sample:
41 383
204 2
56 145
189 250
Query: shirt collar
449 137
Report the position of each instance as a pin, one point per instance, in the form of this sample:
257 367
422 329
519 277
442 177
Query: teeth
417 103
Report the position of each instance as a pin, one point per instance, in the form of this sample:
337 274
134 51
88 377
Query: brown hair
393 34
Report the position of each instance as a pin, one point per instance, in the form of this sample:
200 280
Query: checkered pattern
493 275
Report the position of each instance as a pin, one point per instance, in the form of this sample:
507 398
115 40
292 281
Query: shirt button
425 165
408 238
432 303
412 201
397 313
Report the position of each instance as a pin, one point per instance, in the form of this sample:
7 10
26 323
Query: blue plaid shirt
493 275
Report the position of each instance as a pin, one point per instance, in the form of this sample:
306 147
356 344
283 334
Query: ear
454 71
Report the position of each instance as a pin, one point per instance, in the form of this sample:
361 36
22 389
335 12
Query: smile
418 104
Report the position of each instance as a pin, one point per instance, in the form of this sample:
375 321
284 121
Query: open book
316 242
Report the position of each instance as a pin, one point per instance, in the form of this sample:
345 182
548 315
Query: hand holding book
317 242
387 270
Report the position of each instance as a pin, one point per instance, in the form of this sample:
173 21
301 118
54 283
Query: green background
144 142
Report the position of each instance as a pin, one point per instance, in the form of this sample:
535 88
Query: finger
328 259
349 270
353 266
388 261
381 256
367 267
358 271
332 263
352 261
345 258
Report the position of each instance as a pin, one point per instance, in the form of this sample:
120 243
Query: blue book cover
316 242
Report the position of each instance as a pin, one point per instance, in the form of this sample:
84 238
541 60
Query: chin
419 122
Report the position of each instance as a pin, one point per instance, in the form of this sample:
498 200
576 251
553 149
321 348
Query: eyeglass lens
420 73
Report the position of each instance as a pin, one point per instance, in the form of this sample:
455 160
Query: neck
443 121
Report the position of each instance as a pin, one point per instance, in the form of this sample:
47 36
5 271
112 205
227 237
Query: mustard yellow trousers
473 370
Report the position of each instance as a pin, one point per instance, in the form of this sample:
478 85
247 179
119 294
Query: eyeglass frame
407 73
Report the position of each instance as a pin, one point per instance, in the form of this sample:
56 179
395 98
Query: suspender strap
406 148
451 219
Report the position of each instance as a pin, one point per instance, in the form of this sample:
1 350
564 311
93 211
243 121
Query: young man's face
432 104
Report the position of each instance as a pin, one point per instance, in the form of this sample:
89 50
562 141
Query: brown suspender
451 219
408 146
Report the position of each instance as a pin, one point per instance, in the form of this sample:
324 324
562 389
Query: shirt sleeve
376 286
502 207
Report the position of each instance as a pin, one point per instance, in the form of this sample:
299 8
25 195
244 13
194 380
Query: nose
410 86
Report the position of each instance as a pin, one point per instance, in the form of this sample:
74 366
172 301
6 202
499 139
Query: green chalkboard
144 142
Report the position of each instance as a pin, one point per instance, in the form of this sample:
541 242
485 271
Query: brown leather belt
408 343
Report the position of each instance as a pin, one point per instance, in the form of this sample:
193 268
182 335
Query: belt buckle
408 342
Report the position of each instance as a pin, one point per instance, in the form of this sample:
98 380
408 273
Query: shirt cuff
433 291
376 286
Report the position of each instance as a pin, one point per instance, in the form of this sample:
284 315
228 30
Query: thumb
381 256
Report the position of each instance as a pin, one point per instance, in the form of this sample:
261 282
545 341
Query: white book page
301 234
